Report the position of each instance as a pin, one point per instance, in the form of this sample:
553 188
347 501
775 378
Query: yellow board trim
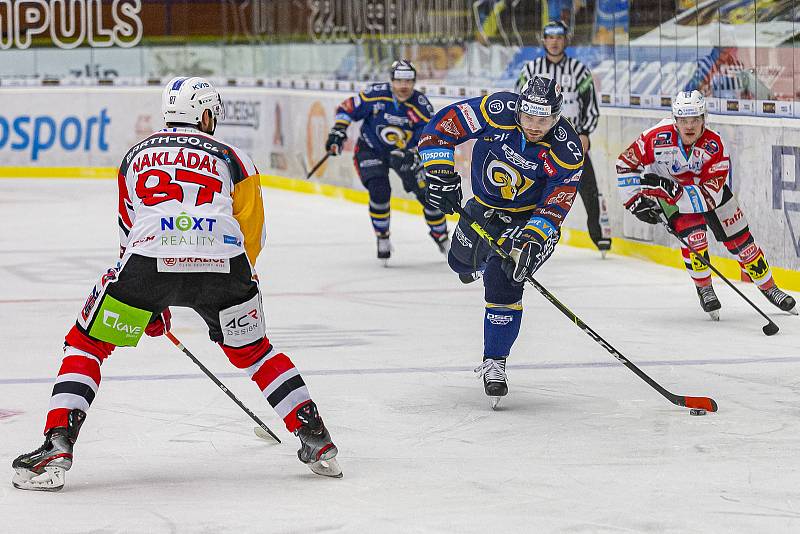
786 278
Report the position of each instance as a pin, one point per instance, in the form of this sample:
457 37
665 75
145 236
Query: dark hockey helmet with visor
402 69
541 97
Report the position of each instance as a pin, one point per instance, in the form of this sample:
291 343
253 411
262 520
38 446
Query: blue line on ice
444 369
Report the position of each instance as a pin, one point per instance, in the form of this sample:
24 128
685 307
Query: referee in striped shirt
580 107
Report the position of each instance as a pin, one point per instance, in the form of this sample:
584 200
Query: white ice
580 445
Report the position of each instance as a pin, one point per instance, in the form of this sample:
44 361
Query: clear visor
537 123
404 75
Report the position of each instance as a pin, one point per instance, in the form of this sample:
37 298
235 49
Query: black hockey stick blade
705 403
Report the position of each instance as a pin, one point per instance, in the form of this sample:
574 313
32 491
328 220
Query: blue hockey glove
403 161
443 191
529 252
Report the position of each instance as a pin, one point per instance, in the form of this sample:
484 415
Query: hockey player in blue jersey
526 166
393 115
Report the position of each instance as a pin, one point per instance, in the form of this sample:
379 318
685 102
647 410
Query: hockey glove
162 323
336 138
443 191
656 186
529 252
403 161
645 209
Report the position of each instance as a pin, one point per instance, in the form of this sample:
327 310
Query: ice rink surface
580 445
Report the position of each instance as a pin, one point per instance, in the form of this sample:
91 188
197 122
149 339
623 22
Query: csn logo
36 135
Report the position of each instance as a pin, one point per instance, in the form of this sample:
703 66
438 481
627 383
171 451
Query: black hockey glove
657 186
645 209
403 161
443 191
336 138
528 254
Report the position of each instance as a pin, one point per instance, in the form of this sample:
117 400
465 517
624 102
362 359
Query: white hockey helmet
689 104
185 99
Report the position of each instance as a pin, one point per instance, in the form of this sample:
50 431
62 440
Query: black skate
709 301
316 448
442 241
384 248
603 245
494 379
44 469
781 300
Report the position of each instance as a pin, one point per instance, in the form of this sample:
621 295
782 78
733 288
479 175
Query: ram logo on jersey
392 135
505 178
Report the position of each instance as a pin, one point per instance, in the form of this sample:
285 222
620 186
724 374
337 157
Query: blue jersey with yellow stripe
388 124
508 172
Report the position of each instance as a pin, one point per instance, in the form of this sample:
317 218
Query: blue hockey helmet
541 97
402 69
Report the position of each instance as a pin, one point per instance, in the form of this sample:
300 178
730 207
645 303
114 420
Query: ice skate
603 245
709 301
384 249
316 450
781 300
44 469
494 379
442 241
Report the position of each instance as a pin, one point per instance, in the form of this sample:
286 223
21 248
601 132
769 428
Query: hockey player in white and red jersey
191 225
685 165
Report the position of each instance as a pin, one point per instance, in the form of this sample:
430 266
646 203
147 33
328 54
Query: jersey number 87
165 189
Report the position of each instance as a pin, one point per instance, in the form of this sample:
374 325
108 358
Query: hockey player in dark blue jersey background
526 166
393 116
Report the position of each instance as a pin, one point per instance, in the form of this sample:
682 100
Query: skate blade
603 254
51 480
714 315
794 311
326 468
261 433
494 402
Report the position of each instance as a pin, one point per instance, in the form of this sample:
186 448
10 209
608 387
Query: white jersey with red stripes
701 169
177 198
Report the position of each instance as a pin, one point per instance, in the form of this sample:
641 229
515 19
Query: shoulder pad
423 102
566 148
498 110
377 89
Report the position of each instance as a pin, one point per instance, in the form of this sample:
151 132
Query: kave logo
111 320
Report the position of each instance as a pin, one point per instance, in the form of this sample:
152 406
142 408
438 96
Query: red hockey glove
656 186
162 323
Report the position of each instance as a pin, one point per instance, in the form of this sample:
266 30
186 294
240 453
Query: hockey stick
705 403
769 329
318 164
221 386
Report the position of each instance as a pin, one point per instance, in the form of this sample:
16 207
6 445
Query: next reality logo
185 223
37 134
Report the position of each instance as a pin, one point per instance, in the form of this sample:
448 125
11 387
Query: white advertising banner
285 130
